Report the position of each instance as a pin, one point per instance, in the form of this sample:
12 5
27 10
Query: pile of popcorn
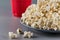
26 34
43 15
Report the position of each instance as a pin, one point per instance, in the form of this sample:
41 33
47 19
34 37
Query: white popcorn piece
56 15
23 14
19 31
28 22
35 25
31 7
39 14
30 34
55 28
12 35
48 8
27 34
16 36
55 5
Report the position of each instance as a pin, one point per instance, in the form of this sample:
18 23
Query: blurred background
5 7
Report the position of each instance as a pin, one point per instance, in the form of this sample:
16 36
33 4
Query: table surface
8 23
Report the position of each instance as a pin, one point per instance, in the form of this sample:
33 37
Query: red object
19 6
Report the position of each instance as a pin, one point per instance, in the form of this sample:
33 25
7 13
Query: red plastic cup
19 6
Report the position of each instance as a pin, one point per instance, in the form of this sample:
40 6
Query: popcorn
35 25
58 0
27 34
31 8
59 12
12 35
48 8
45 14
19 31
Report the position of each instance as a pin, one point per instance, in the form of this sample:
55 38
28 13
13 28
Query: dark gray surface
9 23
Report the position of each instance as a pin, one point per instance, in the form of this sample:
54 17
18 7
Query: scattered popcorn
19 31
12 35
27 34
